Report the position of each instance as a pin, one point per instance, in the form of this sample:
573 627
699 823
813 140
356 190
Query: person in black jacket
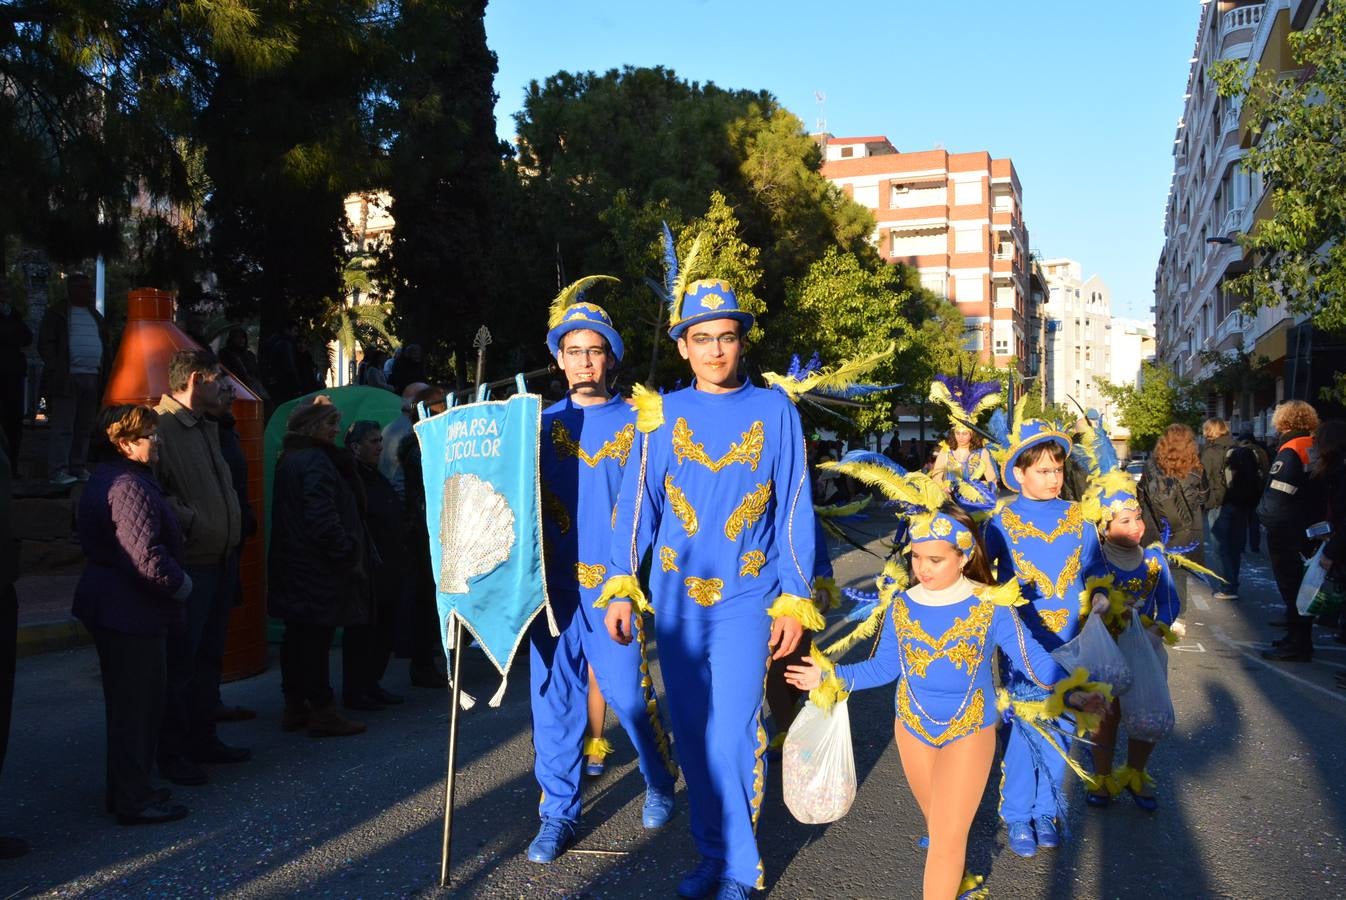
1173 497
133 590
365 649
11 847
1286 510
318 562
14 336
427 645
1328 482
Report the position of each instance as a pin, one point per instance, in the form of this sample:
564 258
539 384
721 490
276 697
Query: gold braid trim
751 563
682 507
1046 587
1054 620
972 627
590 576
1017 528
747 450
705 591
966 724
751 508
619 448
668 559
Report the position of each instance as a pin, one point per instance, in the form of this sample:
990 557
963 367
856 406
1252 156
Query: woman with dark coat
1329 483
1289 506
318 563
365 649
1173 495
131 594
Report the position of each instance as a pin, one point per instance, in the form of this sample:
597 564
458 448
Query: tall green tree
1161 400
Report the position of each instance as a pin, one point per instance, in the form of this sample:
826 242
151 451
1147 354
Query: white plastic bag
818 767
1312 583
1147 711
1095 650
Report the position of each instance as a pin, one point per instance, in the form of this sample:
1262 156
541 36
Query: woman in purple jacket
130 595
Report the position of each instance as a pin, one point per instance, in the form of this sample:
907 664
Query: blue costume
1148 587
584 450
1045 544
718 494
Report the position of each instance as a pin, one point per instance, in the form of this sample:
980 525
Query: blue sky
1083 96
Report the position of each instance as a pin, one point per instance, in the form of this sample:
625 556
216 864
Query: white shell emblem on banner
476 531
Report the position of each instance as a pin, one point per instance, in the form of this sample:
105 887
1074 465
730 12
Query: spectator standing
1173 496
287 367
1329 483
10 847
365 649
14 336
370 372
427 645
131 594
1235 487
242 363
390 463
200 488
318 565
73 345
1263 464
407 367
1286 509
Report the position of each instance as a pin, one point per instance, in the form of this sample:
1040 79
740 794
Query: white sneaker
1221 595
63 478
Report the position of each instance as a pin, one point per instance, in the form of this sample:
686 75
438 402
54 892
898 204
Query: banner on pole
483 514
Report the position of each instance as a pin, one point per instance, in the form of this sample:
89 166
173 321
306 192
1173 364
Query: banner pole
454 691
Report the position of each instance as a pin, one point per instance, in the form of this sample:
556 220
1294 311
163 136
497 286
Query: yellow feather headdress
570 295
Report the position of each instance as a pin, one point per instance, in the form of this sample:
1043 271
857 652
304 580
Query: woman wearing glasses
131 593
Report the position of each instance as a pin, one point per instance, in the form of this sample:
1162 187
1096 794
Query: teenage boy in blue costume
587 439
1042 540
718 493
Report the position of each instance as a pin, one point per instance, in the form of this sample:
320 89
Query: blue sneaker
701 881
1048 836
658 808
733 890
552 839
595 769
1021 840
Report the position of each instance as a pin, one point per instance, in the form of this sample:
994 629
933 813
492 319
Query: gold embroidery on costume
1017 528
1054 620
682 508
590 576
747 450
966 724
919 660
619 448
668 559
973 627
1141 588
751 508
964 655
752 561
555 510
1031 574
1070 572
705 591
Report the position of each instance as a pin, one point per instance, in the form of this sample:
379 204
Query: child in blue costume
718 492
938 641
1041 540
587 439
1138 579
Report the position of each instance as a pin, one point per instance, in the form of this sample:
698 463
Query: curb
48 637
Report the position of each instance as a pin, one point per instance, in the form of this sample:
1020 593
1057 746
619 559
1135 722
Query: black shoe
1281 642
1288 654
428 677
220 752
361 702
12 847
387 698
224 713
181 770
154 814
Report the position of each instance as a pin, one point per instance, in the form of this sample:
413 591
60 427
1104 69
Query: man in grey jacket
72 342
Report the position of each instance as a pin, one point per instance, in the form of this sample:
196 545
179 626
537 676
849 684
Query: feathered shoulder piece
570 295
649 408
1007 594
916 490
964 397
842 381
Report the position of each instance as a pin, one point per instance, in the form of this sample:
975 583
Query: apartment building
1212 200
1132 346
1078 317
957 218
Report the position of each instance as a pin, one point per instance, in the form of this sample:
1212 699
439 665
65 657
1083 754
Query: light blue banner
483 514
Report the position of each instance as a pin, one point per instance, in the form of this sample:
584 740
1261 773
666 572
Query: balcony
1231 327
1238 19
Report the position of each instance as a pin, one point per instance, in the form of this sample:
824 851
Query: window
966 193
867 195
967 240
847 152
972 340
967 288
1001 347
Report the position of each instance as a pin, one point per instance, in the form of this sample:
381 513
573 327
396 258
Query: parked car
1136 469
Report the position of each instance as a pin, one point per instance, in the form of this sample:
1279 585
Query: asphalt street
1251 786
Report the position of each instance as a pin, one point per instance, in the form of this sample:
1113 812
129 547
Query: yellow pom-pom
798 608
597 747
649 408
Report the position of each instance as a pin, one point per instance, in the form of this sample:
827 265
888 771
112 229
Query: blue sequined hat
940 526
704 301
1030 434
586 316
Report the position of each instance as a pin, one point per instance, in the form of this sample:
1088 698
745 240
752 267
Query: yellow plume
649 408
840 512
1007 594
835 380
685 277
1183 562
570 295
916 488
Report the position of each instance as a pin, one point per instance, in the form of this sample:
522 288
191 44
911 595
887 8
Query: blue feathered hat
569 312
1029 434
706 300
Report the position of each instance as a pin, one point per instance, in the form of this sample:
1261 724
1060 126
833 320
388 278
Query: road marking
1196 647
1200 602
1218 632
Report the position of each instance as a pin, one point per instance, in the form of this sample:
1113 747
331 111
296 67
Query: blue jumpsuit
1149 587
584 449
941 657
1047 546
720 497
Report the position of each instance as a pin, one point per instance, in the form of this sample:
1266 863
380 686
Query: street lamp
1220 240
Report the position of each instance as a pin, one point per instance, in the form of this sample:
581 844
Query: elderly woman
318 562
1289 506
365 649
129 596
1173 496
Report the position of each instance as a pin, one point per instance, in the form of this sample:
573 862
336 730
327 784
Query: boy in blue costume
718 492
1040 539
587 439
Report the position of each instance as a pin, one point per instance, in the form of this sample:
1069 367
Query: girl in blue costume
1042 541
587 440
717 490
964 466
938 641
1139 579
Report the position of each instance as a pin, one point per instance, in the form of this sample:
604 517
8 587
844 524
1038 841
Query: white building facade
1078 315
